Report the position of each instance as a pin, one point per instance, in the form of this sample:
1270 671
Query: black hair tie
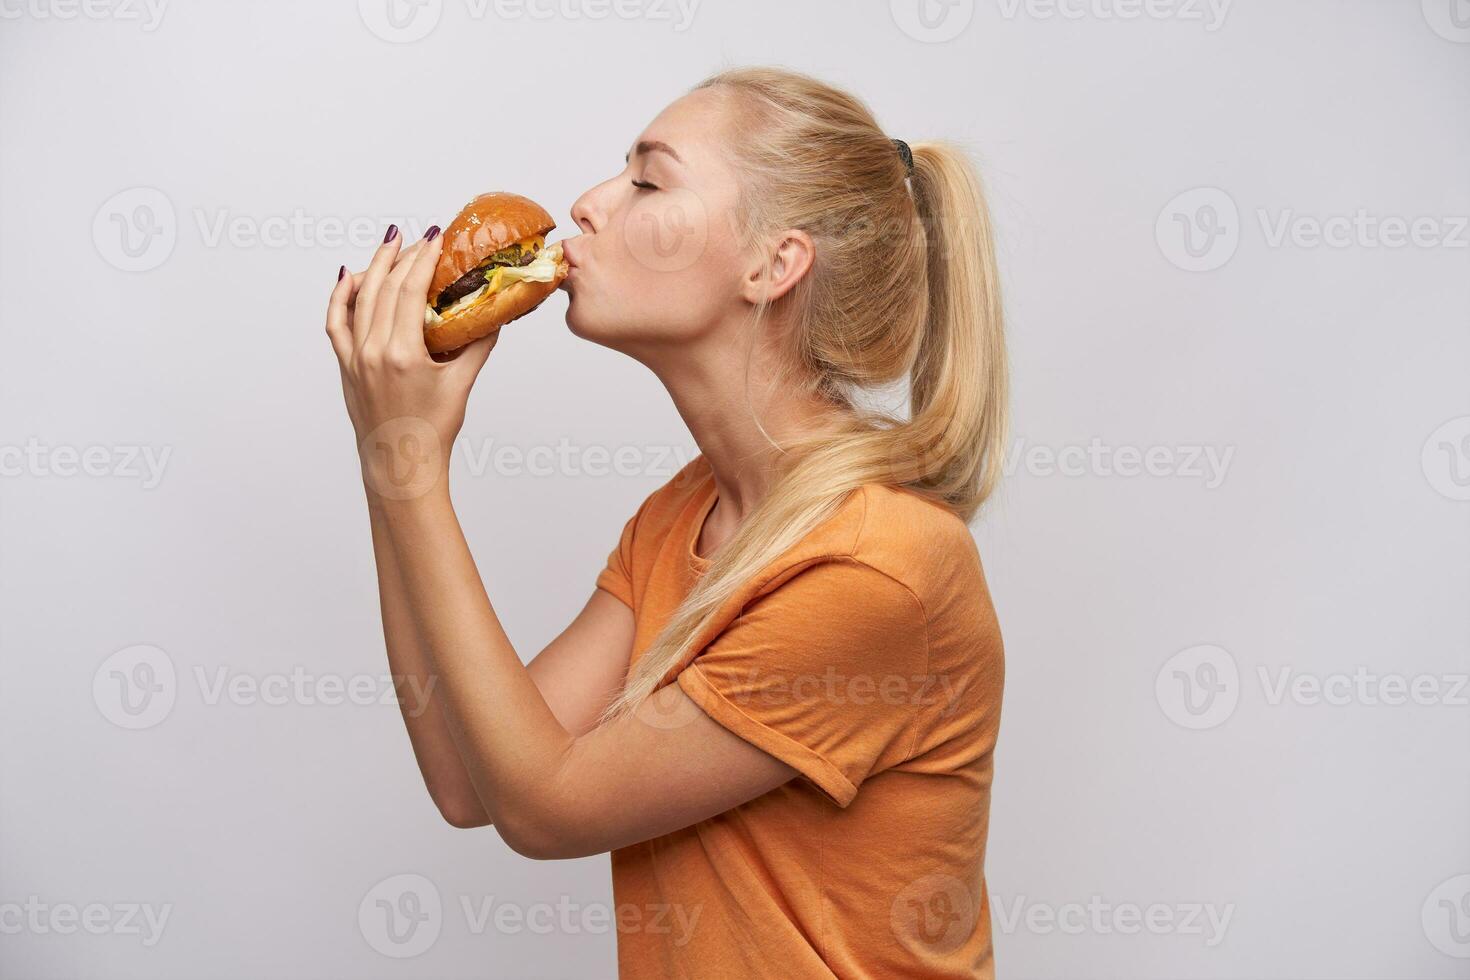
906 155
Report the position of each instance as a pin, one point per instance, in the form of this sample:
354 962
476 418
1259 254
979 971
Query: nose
588 213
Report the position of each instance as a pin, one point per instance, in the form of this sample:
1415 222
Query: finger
465 367
367 291
407 254
356 279
413 296
385 308
339 328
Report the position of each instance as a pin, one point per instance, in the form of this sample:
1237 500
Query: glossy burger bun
486 225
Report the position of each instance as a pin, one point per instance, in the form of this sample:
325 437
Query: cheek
667 232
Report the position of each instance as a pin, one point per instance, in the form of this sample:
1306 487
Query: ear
790 257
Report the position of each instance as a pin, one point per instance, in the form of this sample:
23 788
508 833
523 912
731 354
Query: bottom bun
489 315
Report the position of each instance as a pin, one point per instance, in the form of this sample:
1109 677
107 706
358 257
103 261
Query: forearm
419 696
508 738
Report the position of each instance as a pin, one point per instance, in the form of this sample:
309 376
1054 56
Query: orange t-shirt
869 659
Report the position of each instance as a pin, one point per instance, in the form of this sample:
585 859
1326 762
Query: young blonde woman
779 706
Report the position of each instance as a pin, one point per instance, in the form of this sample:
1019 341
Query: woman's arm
421 705
552 791
577 674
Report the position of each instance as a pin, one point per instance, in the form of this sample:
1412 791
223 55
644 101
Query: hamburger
495 267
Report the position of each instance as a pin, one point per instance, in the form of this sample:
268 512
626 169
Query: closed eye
644 185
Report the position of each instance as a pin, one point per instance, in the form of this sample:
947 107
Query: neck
735 419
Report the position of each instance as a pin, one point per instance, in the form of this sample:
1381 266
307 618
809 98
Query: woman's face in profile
657 260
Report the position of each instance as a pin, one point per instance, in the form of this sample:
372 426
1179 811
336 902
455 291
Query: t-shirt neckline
701 514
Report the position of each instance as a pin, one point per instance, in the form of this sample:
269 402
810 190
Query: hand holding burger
442 293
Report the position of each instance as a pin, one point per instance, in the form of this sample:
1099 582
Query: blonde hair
903 286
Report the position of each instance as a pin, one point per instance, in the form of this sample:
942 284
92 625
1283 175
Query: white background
1329 380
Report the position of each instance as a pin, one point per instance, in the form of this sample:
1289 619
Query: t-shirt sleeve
616 576
824 672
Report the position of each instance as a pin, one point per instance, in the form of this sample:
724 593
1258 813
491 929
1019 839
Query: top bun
486 225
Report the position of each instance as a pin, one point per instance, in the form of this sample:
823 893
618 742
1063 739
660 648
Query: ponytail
959 384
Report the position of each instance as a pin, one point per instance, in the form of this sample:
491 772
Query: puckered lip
566 252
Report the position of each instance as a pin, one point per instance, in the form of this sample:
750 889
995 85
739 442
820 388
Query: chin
621 336
591 328
577 321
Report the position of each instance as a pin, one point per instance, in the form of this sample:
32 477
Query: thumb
468 362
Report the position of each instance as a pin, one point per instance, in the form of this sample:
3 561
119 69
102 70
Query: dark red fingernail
432 233
392 234
341 272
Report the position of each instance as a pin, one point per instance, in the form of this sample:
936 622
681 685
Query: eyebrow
651 146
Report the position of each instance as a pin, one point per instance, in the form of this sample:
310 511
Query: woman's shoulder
899 534
901 529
